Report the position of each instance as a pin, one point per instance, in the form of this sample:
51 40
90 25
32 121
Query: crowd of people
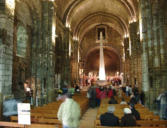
97 93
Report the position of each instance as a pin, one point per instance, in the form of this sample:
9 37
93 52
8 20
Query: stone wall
22 64
6 53
154 50
65 61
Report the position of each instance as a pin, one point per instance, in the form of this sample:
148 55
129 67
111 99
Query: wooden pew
16 125
130 127
11 124
140 123
39 120
47 114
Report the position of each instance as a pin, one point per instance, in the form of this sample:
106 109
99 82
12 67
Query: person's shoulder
102 115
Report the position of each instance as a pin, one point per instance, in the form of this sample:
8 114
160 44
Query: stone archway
111 57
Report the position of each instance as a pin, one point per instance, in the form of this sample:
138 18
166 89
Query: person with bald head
108 118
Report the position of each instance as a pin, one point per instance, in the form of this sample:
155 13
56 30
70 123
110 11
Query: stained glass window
22 38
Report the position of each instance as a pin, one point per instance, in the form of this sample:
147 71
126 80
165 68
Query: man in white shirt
69 113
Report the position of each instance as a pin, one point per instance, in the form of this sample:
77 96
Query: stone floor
88 118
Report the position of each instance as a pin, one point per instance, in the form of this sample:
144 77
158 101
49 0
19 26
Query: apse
112 61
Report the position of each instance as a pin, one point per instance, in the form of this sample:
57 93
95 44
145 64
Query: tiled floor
88 118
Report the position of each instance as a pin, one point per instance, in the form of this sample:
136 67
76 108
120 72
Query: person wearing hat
108 118
128 119
134 111
69 112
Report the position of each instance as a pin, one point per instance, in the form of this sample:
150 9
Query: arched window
22 38
103 29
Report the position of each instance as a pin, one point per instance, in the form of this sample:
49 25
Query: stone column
143 39
67 70
48 48
6 49
150 50
43 51
74 61
134 57
35 56
162 37
156 61
149 33
127 61
163 45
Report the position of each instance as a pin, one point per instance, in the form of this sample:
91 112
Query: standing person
128 119
98 96
27 90
110 92
134 111
108 118
127 90
162 98
135 91
142 97
69 113
92 96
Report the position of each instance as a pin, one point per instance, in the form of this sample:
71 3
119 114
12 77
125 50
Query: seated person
10 108
112 101
128 119
134 111
108 118
123 101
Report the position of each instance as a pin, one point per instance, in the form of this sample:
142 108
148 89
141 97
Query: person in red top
98 96
103 93
110 93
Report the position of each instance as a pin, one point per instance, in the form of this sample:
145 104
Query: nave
47 45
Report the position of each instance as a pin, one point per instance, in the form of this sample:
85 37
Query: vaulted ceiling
83 16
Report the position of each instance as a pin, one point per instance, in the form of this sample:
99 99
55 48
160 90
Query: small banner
24 113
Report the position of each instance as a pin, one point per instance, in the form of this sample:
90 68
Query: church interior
51 44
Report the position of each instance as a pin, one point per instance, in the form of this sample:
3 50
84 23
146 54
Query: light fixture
126 35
